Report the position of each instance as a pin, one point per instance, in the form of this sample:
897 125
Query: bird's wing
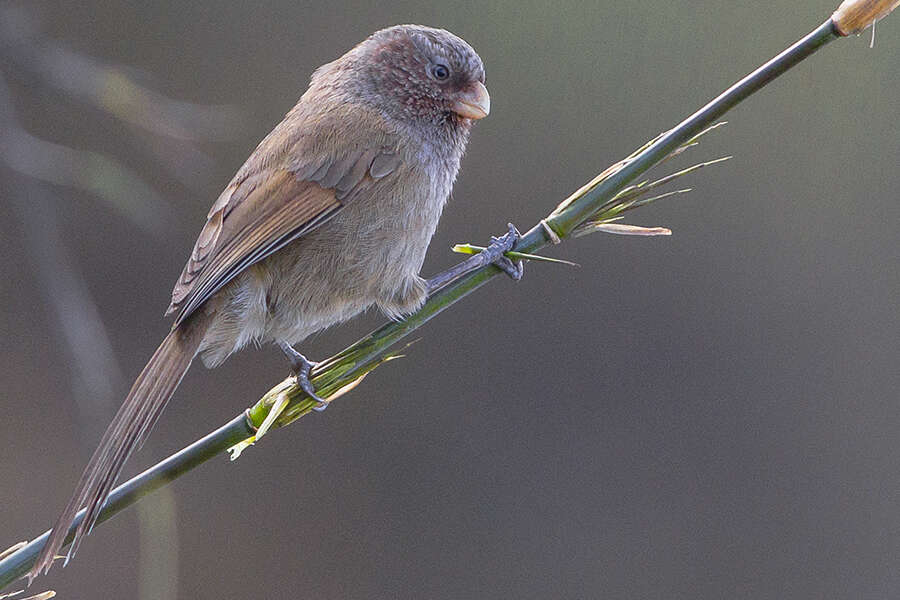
261 213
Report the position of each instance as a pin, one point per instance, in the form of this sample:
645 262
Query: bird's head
418 74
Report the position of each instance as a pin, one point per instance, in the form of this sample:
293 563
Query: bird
331 214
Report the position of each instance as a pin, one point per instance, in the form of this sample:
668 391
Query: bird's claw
494 253
301 367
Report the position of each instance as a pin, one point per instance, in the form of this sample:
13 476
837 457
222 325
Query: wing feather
260 214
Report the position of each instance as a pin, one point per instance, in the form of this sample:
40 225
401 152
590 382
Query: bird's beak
474 103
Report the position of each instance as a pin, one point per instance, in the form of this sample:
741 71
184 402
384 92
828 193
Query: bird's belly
358 258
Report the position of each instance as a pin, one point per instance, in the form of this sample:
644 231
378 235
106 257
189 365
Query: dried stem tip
852 16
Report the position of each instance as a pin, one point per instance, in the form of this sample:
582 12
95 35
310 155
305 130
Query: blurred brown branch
168 130
110 88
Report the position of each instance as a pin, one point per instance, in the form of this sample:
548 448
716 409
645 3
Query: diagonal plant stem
594 201
600 201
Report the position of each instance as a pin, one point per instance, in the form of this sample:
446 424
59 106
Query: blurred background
712 414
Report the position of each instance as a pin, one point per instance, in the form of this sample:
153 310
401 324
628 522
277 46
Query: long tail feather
128 430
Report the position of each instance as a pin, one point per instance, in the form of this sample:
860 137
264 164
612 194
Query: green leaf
513 255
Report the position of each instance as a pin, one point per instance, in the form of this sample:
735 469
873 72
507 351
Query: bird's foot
495 251
301 367
493 254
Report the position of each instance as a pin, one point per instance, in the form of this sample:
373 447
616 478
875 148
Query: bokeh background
713 414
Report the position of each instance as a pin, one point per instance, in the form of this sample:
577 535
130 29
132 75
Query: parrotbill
331 214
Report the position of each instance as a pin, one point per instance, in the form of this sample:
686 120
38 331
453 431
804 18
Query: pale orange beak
474 103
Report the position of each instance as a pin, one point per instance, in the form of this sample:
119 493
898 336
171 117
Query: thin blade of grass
512 254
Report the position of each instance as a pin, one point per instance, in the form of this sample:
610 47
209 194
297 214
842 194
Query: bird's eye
440 72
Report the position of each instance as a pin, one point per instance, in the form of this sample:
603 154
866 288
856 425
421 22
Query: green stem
353 362
17 564
577 211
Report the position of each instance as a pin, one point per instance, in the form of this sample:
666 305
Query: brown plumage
331 214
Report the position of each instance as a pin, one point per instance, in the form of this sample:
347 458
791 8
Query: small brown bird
331 214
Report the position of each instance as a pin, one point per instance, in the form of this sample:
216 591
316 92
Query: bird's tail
128 430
